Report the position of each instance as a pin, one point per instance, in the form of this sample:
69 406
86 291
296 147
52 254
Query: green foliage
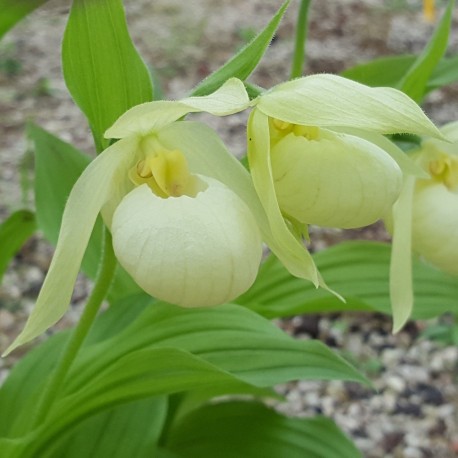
414 82
251 430
14 231
222 350
12 11
103 71
357 270
57 167
445 333
245 61
130 430
416 76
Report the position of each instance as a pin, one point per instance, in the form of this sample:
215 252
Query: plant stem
76 339
299 45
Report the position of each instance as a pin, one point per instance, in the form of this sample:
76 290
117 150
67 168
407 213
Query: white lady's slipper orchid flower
179 206
435 202
318 156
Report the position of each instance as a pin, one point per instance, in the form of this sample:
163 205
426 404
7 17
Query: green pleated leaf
229 337
57 167
141 374
359 271
130 430
12 11
415 81
251 430
14 232
103 71
227 349
21 391
245 61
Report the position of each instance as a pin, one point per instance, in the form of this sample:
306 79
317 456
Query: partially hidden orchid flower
435 202
182 211
318 156
425 219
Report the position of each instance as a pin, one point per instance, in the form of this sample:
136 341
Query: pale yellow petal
401 287
150 117
87 197
333 101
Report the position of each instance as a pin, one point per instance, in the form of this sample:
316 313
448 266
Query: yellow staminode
445 169
166 173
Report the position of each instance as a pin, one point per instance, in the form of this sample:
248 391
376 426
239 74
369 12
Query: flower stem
299 45
76 339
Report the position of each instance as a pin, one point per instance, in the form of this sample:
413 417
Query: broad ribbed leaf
251 430
140 374
103 71
230 337
414 82
21 391
12 11
245 61
14 231
357 270
130 430
57 167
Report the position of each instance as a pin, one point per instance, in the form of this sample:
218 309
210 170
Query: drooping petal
332 101
334 180
190 251
87 197
401 288
291 252
230 98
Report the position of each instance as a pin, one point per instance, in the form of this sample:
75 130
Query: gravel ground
414 411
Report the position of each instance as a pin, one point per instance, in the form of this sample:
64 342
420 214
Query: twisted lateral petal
190 251
230 98
401 288
335 180
333 101
87 197
286 246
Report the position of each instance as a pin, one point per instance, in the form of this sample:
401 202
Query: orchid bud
331 179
